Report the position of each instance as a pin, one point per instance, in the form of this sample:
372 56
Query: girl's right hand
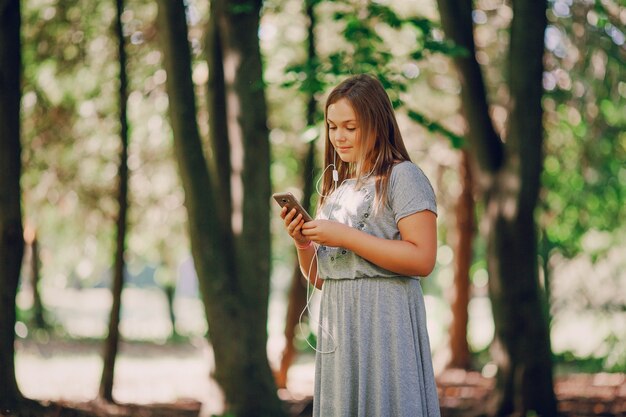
293 224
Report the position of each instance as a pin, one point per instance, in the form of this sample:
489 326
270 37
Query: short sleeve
410 191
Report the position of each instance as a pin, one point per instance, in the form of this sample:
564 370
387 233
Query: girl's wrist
303 245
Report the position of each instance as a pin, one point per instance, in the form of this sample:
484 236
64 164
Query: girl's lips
343 148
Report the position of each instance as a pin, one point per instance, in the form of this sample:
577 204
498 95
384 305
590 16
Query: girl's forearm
398 256
308 266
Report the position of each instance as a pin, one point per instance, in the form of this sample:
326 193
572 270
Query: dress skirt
373 356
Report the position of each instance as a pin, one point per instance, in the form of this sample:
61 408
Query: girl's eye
351 129
332 127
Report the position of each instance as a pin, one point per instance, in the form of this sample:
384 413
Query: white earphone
315 258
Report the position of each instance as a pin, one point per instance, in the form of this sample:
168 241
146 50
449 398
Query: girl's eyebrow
343 121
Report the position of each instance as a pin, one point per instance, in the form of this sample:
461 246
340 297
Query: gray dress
373 350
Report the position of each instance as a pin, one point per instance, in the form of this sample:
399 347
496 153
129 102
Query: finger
289 217
298 227
283 212
309 225
294 223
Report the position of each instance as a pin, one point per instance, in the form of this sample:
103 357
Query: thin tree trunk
545 247
297 294
511 173
11 229
465 227
232 264
35 276
170 291
298 291
40 322
219 137
295 304
167 281
113 338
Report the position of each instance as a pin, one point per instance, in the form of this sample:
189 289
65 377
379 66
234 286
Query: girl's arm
308 266
414 255
306 249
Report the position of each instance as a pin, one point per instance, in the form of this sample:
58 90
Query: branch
485 144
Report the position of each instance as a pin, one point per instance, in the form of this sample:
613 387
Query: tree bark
297 294
521 348
232 258
465 226
113 337
11 229
521 327
218 127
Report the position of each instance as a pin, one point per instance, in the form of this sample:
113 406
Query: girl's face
343 130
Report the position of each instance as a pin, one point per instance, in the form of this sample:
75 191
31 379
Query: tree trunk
295 304
521 347
32 242
169 289
219 137
113 337
465 227
522 333
40 321
545 248
232 259
297 294
11 229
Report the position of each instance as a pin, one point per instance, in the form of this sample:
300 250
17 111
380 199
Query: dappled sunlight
68 144
145 373
148 369
85 313
588 306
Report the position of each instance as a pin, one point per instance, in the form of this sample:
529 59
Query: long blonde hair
381 144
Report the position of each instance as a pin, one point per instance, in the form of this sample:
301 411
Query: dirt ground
461 394
172 381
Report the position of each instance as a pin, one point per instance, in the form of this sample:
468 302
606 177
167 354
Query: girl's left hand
325 232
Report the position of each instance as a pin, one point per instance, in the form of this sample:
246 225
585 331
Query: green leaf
432 126
385 14
242 8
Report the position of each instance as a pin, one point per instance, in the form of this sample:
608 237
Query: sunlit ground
149 370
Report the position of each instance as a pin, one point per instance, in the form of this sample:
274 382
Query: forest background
71 177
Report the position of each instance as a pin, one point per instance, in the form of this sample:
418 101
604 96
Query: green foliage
432 126
63 100
570 362
241 8
369 44
583 199
70 142
584 178
70 138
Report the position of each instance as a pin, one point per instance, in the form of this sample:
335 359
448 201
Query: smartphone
288 200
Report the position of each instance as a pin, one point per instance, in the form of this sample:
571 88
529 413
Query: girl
374 235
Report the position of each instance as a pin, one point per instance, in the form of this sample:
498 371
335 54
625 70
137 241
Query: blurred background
71 155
